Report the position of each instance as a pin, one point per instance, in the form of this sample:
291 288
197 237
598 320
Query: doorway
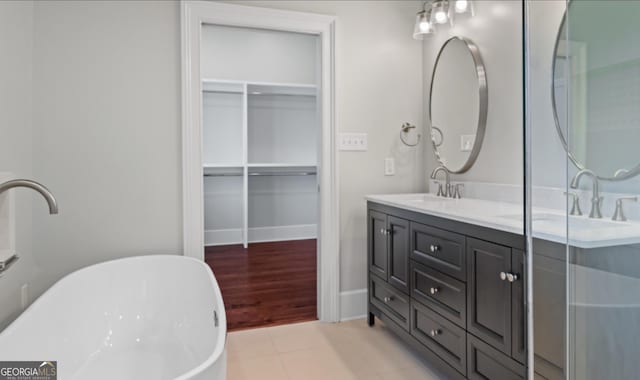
260 183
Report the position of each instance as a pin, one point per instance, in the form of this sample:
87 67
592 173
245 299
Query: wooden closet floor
266 284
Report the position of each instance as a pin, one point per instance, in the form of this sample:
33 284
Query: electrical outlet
466 142
24 296
353 141
389 166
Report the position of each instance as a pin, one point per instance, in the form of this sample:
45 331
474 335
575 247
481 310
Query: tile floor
322 351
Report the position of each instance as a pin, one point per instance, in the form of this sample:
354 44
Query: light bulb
424 26
461 6
441 16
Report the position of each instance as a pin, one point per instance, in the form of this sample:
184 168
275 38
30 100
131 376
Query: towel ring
404 130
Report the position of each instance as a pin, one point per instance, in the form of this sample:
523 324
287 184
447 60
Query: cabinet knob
434 332
388 299
512 277
385 231
434 291
434 248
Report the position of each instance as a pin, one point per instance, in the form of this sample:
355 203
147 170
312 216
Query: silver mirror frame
483 103
620 174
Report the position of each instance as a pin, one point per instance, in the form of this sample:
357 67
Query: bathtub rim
221 340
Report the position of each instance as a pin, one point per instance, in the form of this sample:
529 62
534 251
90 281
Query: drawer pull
434 291
388 299
435 332
434 248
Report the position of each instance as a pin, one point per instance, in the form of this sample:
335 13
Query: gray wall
496 29
105 131
16 39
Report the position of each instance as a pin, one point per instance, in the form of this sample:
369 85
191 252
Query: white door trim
193 15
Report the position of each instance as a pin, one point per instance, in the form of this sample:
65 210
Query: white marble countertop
548 224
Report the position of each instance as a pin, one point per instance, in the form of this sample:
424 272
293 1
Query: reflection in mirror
596 87
458 104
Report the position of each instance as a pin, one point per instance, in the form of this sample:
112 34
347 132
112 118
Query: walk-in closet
260 132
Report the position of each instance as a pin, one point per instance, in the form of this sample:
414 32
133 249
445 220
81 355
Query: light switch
466 142
389 166
353 141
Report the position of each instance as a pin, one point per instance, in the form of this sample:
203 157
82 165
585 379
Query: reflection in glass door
583 124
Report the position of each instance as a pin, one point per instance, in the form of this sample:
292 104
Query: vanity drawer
444 338
392 302
444 294
442 250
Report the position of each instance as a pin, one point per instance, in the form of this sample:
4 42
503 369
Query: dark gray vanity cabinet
439 285
495 301
549 305
377 237
389 249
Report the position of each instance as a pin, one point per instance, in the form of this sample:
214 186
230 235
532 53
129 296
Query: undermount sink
574 222
421 198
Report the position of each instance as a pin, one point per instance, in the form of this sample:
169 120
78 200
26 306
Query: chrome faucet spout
447 186
596 199
51 200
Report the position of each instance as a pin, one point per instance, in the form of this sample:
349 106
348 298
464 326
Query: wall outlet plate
466 142
353 141
389 166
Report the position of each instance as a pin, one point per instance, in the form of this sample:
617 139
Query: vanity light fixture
423 26
440 12
463 7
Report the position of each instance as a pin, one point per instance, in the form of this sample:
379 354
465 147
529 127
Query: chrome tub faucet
51 200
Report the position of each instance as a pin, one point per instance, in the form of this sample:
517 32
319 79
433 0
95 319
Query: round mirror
458 104
596 90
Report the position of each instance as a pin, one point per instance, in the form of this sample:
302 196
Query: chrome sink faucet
596 199
447 185
51 200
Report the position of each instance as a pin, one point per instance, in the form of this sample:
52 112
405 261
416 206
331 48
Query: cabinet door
486 363
549 306
518 313
398 253
489 297
377 236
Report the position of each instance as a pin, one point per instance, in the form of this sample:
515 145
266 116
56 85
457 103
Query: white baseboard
261 234
353 304
223 237
298 232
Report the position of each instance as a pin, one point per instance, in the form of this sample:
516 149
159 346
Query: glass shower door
583 128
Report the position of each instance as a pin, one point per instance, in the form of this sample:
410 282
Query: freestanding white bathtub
147 317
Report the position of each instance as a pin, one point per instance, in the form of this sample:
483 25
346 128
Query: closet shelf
258 88
281 165
222 166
